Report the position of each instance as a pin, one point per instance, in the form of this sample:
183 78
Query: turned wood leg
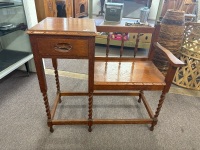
140 96
46 103
136 44
90 112
122 45
55 66
108 44
155 118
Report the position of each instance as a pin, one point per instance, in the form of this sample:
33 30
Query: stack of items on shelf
119 36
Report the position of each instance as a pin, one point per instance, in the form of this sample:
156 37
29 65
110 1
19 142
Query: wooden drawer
63 47
144 37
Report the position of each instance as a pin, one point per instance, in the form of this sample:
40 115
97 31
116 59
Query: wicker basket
170 36
189 75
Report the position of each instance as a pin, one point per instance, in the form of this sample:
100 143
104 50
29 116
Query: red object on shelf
118 36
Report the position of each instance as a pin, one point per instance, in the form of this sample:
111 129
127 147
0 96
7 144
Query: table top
84 27
65 26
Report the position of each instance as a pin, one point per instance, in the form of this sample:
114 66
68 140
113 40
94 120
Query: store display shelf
11 60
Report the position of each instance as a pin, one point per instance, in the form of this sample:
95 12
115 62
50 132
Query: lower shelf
11 60
100 40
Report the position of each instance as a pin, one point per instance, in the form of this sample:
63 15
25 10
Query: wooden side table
68 38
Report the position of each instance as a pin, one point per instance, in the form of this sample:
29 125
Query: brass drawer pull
63 47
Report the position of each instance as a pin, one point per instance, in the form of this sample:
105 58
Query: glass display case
15 50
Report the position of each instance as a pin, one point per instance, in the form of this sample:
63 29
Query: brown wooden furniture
69 8
134 74
70 38
74 38
45 8
76 8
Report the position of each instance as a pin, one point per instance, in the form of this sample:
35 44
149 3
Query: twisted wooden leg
55 66
162 97
140 96
46 103
90 112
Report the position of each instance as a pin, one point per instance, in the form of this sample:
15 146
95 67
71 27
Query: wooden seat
127 75
118 74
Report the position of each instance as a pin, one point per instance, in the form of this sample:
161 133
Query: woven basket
170 36
189 75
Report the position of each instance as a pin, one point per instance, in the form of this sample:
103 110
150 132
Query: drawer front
63 47
144 37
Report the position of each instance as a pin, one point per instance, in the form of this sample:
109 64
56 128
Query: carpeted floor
23 117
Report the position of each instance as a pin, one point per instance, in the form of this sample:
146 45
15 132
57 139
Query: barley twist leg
55 65
57 83
162 98
46 103
90 112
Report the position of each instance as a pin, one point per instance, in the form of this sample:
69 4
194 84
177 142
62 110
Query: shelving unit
15 46
144 38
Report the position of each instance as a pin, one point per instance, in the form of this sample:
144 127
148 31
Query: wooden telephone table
73 38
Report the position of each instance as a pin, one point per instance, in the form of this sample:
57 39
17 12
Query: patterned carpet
23 118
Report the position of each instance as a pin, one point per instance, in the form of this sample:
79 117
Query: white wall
129 6
198 14
30 12
31 19
154 9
